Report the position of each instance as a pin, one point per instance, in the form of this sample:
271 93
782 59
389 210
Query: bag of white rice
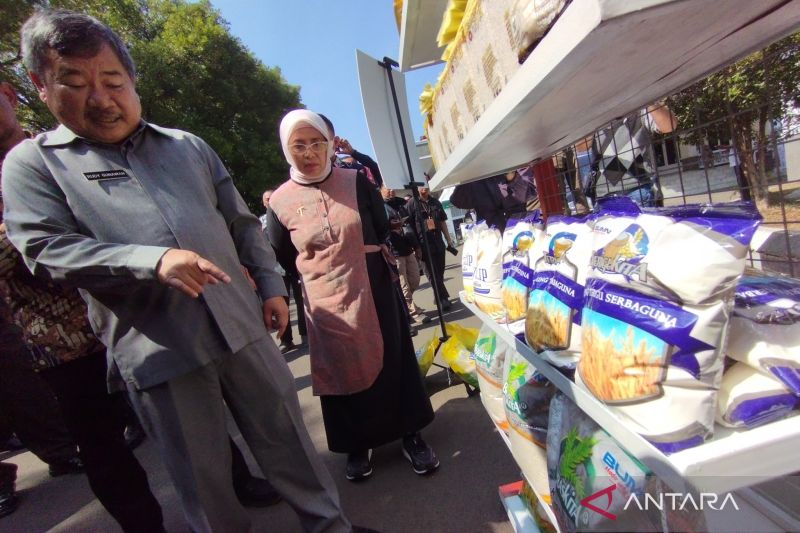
691 254
592 477
518 239
488 277
748 398
765 327
527 397
649 348
492 355
560 261
468 259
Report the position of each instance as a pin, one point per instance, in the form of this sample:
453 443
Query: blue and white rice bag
487 280
765 328
656 309
560 261
518 238
748 398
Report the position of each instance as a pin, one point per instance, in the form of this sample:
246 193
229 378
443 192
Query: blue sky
313 42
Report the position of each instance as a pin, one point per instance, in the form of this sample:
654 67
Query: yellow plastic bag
457 352
426 353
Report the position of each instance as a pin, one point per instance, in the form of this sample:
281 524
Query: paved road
460 498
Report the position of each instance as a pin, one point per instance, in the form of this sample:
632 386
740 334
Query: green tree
192 74
740 101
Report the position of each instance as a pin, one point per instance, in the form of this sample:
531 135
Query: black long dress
397 403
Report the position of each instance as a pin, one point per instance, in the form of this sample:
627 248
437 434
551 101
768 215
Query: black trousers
29 407
97 421
293 287
435 269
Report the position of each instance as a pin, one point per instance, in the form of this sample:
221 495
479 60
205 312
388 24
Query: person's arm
380 221
663 118
442 218
278 236
344 146
255 254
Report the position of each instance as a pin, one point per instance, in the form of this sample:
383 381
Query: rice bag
560 261
468 258
488 278
652 349
491 361
765 327
748 398
527 397
583 460
457 352
518 238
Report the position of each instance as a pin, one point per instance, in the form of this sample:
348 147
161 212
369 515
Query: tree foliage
739 101
192 74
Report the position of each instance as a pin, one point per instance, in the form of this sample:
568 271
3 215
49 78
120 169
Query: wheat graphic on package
656 308
560 261
519 237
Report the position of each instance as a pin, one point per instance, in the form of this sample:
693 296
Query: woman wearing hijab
363 365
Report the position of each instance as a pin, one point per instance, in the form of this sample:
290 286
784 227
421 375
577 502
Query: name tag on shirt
106 175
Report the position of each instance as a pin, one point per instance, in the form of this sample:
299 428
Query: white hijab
293 120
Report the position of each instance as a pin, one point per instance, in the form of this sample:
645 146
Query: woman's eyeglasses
316 148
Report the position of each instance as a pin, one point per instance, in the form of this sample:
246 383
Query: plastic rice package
527 397
652 344
468 257
592 477
530 19
765 327
748 398
560 261
457 352
488 277
492 356
518 238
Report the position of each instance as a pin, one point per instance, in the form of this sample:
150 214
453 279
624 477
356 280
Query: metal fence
734 135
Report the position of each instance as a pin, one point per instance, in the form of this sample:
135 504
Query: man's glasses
316 148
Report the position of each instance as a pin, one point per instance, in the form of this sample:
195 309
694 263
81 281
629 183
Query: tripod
388 64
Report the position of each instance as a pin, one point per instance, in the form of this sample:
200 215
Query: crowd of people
130 298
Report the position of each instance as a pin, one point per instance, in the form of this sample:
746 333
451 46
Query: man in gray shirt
147 223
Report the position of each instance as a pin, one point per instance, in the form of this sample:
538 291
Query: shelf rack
732 459
600 60
418 29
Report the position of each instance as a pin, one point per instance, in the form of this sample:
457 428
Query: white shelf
601 60
518 514
418 29
732 459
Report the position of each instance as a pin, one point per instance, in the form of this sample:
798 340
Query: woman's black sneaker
422 457
359 465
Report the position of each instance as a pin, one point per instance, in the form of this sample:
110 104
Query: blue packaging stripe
753 290
519 272
789 376
672 447
661 319
759 411
562 288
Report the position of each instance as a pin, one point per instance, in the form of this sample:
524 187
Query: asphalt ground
461 497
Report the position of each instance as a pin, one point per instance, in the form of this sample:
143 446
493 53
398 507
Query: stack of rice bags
657 302
764 385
